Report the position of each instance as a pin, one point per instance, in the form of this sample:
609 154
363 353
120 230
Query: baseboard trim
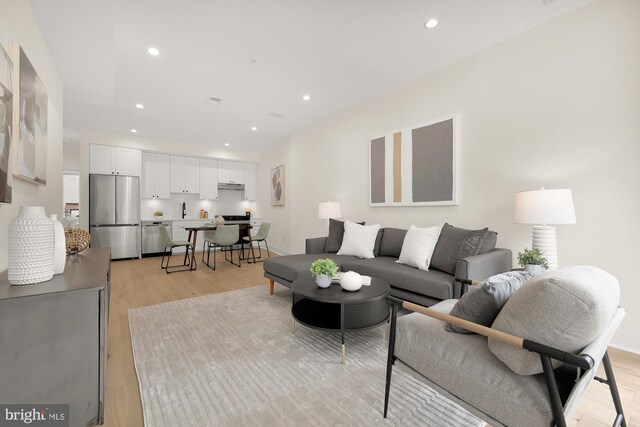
624 348
278 250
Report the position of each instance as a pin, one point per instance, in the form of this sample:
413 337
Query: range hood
229 186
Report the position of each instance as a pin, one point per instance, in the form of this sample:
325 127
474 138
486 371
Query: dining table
245 231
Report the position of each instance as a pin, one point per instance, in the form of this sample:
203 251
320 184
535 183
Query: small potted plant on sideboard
324 270
533 261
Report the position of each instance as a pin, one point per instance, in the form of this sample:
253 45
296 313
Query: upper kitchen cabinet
249 182
156 172
109 160
208 179
231 172
185 175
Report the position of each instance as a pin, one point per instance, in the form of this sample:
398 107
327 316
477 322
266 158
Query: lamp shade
545 207
327 210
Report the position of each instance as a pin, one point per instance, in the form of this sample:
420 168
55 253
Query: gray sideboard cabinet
53 338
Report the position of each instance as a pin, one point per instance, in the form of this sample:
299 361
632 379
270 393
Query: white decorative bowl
350 281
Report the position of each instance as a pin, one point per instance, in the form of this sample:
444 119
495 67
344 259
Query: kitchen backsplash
229 203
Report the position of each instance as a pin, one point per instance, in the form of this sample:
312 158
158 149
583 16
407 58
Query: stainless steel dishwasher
151 237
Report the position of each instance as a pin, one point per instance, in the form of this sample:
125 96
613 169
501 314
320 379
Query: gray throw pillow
454 244
488 242
392 241
483 302
336 233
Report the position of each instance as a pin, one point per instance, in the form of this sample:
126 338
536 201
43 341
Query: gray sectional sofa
408 283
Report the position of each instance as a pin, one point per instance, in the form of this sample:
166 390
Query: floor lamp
328 210
545 209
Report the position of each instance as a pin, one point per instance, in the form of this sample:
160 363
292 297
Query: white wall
158 145
71 156
555 107
17 24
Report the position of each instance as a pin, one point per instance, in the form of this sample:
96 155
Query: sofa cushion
336 233
463 366
484 301
418 245
435 284
454 244
359 240
291 267
392 240
489 242
565 309
376 248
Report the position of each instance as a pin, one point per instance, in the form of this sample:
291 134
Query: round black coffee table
334 309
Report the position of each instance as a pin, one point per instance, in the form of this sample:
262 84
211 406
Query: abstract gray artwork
32 139
415 166
6 125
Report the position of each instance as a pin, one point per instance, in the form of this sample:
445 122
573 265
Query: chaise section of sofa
409 283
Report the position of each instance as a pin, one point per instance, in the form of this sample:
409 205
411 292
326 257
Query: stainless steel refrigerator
114 214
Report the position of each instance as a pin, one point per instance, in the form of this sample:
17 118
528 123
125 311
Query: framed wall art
415 166
277 186
6 125
32 125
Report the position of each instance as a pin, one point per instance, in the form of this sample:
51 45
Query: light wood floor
140 283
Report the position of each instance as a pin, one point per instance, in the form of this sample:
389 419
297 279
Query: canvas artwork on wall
6 125
416 166
32 131
277 186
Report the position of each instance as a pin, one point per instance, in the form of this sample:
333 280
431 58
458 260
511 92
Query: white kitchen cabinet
208 179
185 174
231 172
156 174
250 182
110 160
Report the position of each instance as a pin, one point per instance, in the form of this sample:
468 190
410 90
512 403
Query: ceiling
259 57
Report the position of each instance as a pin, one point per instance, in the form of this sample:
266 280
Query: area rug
231 359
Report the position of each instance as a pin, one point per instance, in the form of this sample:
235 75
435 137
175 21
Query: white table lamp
328 210
545 209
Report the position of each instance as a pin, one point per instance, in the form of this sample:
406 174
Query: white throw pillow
359 240
418 246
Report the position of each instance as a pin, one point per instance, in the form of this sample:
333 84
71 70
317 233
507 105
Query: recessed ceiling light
431 23
134 131
253 128
139 106
306 97
226 144
153 51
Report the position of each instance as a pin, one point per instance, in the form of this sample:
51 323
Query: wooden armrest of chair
584 362
470 326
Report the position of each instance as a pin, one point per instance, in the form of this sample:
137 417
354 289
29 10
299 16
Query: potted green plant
533 261
324 270
158 215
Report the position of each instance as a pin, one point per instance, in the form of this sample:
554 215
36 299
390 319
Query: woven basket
77 240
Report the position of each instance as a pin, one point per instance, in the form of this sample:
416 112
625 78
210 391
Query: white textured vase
323 281
59 243
31 240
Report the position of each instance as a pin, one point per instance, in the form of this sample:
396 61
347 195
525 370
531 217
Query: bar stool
168 245
261 236
224 237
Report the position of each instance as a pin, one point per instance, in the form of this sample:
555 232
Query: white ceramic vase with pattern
31 247
59 243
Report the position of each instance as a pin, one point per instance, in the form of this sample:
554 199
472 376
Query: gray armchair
528 379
